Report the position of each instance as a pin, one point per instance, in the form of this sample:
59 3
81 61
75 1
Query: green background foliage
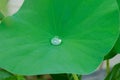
115 73
3 7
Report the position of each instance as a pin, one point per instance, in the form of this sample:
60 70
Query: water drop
56 41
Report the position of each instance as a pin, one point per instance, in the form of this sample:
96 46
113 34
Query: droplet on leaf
56 41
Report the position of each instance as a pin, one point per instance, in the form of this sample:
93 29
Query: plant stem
80 77
75 76
107 66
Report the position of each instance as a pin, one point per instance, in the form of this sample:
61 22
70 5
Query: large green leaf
88 30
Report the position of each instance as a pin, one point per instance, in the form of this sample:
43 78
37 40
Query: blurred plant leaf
20 77
1 17
4 74
11 78
15 78
114 51
116 48
88 29
3 7
115 73
118 1
60 77
110 55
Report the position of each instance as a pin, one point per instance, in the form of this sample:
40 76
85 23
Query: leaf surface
88 30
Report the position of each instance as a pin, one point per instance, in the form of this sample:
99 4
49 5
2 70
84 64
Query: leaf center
56 41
